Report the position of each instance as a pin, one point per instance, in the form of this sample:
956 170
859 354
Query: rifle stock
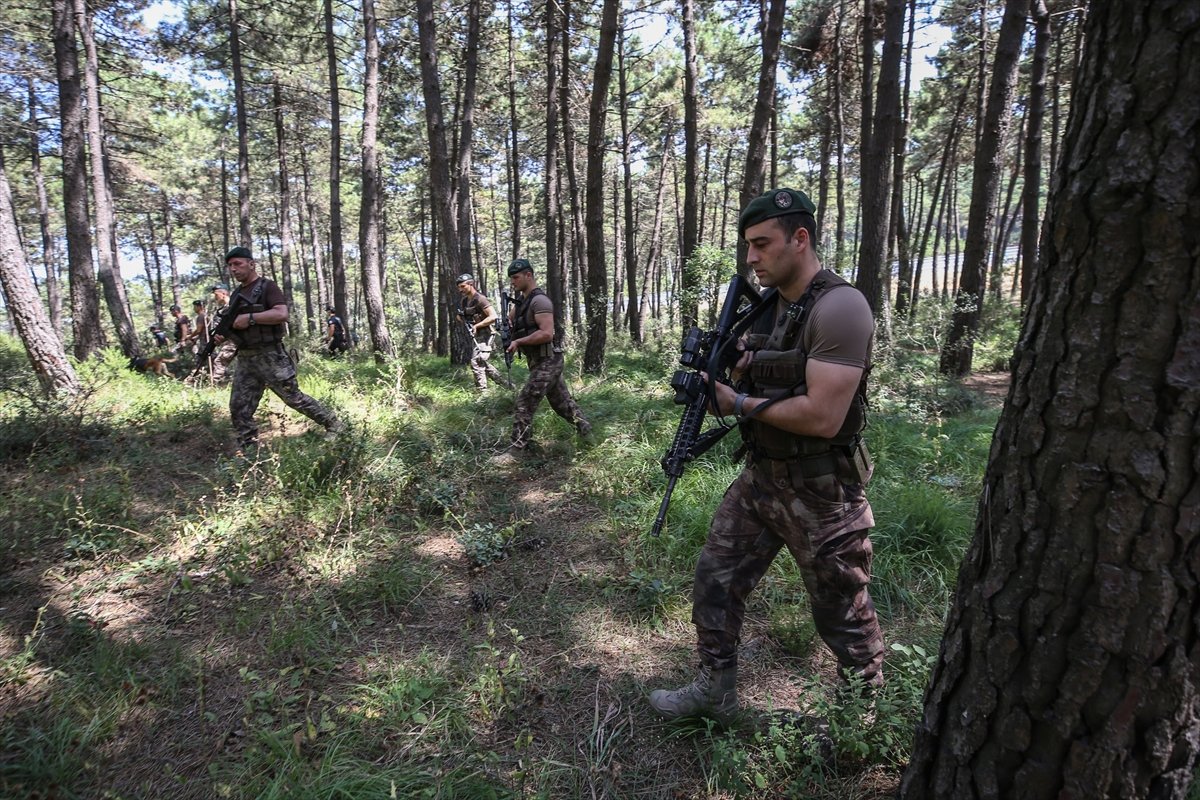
714 353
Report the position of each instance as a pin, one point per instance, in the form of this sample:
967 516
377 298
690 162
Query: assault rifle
505 329
713 352
223 320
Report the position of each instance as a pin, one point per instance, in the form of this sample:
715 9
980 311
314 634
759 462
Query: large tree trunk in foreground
42 345
1069 666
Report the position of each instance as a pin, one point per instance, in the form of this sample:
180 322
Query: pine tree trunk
439 170
287 239
554 283
109 271
42 345
764 107
514 155
689 309
337 256
878 163
49 262
968 299
633 315
1068 666
368 227
245 237
1030 218
596 285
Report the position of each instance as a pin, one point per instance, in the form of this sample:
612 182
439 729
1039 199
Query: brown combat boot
713 694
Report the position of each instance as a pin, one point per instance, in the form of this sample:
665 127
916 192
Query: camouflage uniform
798 492
545 376
474 310
263 363
268 368
222 356
545 380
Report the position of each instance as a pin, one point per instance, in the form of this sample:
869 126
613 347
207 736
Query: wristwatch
251 321
737 406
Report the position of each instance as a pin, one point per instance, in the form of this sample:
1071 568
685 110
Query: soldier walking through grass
262 360
533 335
801 404
475 309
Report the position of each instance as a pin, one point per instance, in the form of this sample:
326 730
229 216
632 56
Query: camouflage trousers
269 368
482 368
222 356
758 516
545 380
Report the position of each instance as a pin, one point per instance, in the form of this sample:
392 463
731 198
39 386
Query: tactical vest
778 370
472 311
525 324
256 336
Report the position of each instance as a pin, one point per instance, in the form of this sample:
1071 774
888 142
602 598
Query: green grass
390 615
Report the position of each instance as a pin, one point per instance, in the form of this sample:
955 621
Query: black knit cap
775 203
518 266
238 252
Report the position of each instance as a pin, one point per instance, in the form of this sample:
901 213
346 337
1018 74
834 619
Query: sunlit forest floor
389 615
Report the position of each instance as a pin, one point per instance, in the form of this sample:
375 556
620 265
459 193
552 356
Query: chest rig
778 371
257 336
525 324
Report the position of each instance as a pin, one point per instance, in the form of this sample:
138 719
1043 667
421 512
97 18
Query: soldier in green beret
800 399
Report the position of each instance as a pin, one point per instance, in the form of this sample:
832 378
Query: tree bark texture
633 317
1070 665
553 282
287 238
370 255
337 258
764 108
109 271
878 160
1030 218
245 238
691 171
439 169
49 262
42 345
959 348
595 300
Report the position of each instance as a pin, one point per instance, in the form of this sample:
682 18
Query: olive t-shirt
840 328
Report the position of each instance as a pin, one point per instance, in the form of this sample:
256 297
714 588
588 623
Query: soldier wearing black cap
800 399
335 332
476 311
533 335
262 360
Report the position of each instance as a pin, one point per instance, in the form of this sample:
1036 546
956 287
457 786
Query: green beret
775 203
238 252
466 277
519 265
218 287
